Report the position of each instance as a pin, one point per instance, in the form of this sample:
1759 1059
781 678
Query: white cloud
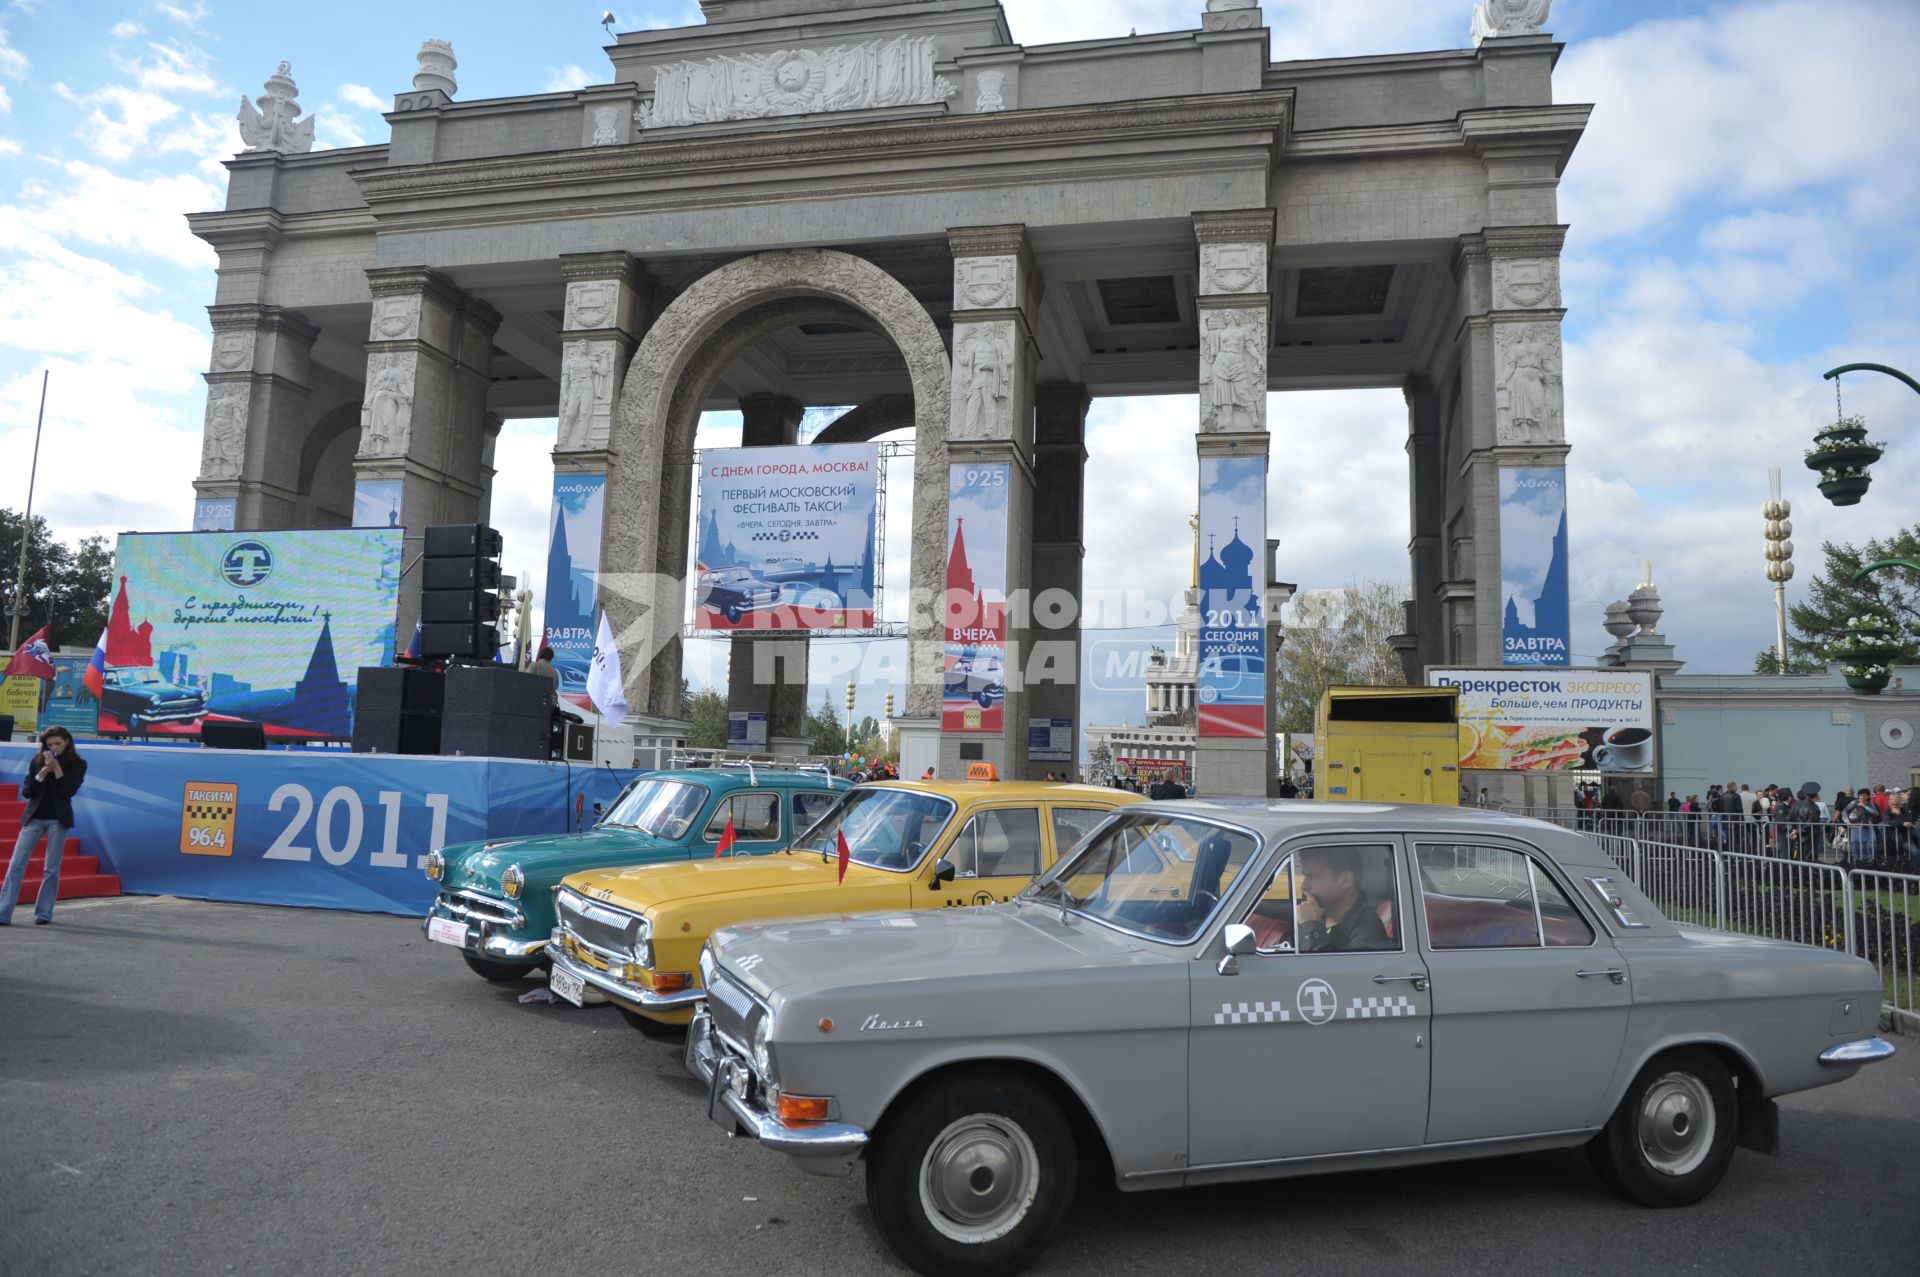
96 206
126 30
13 63
191 15
1301 28
567 78
8 146
334 129
6 102
168 68
361 96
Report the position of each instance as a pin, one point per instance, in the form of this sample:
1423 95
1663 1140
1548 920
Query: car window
1156 875
1071 824
755 815
809 805
1493 898
1001 842
1340 898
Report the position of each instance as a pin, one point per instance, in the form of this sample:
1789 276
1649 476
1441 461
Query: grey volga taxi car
1214 991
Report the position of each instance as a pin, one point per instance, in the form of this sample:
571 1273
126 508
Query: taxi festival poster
973 698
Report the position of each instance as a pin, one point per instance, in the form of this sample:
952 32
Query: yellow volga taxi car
633 936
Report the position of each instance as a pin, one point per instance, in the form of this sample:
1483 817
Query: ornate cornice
1234 226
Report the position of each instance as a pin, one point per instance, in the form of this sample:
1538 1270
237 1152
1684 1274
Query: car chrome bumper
632 995
825 1148
485 936
1863 1051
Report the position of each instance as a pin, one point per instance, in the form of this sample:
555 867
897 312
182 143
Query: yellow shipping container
1388 745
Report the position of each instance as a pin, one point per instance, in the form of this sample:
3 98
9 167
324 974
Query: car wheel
972 1175
498 972
651 1027
1673 1135
732 612
985 698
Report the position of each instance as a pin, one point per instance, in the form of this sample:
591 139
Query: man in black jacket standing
53 777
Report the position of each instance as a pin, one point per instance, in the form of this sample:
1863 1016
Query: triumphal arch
895 204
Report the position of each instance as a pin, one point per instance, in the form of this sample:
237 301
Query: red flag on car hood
845 853
726 839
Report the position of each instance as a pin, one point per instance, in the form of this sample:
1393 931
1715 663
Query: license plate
447 931
568 985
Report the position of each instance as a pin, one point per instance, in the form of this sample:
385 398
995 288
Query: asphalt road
194 1088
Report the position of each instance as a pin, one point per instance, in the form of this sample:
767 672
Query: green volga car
496 898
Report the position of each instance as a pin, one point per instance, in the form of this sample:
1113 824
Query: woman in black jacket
53 777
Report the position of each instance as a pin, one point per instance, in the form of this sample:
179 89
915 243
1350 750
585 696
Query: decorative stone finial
273 126
1509 17
436 68
1230 15
1618 623
1643 604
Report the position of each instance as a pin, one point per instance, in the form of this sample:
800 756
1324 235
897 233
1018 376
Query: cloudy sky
1742 211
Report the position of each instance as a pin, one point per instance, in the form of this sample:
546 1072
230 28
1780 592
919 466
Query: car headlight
512 881
706 967
643 945
436 866
761 1032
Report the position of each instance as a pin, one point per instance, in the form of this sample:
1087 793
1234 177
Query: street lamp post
1779 559
849 715
26 522
1841 453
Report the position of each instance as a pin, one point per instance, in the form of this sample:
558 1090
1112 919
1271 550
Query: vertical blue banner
573 577
1534 628
1232 674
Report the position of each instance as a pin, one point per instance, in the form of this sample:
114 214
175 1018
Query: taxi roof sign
982 771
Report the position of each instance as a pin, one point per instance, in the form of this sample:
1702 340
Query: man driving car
1334 914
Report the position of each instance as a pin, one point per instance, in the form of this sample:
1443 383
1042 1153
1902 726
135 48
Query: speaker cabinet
498 690
495 735
395 732
397 688
217 734
579 742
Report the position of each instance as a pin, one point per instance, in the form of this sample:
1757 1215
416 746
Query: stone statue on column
1509 17
270 122
387 419
984 377
1232 380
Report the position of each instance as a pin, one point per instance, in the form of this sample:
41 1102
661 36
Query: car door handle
1615 974
1418 979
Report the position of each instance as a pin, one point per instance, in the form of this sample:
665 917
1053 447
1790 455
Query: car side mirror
1240 940
943 871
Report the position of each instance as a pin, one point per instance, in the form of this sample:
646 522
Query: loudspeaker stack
458 599
494 711
396 710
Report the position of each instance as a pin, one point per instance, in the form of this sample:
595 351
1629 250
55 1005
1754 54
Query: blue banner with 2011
323 829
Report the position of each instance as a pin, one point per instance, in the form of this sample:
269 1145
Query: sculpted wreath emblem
792 80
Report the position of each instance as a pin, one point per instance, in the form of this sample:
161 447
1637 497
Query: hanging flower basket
1844 455
1868 680
1844 487
1845 430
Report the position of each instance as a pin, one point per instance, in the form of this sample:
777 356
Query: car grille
732 1008
613 931
476 906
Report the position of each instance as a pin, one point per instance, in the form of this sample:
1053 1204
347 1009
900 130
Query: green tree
826 733
1338 638
1100 762
707 720
67 587
1820 618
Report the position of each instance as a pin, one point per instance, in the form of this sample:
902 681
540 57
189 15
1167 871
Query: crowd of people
1868 824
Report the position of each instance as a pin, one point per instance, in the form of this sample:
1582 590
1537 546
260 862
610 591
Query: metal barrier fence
1887 846
1887 931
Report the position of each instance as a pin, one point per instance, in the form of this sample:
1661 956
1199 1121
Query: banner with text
70 704
1232 674
1534 628
787 537
322 828
1553 720
254 627
573 577
975 693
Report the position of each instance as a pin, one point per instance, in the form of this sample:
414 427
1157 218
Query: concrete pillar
1510 417
1235 713
1427 483
604 311
1057 556
767 674
424 426
259 384
996 295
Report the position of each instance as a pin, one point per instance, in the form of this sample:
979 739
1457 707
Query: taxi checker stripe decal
1380 1008
1252 1013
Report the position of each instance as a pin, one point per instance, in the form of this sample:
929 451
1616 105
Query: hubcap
1677 1123
979 1178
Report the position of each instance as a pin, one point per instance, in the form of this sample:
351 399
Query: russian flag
413 644
95 676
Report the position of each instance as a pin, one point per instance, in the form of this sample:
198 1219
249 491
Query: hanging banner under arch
974 694
786 537
1534 628
1232 673
573 577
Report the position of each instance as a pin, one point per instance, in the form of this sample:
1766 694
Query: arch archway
878 416
672 372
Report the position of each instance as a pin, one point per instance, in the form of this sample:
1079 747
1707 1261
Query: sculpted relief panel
983 373
233 351
982 283
586 395
848 77
395 318
1526 283
592 304
1233 268
386 418
1527 392
1233 370
224 449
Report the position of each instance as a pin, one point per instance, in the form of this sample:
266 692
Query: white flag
605 688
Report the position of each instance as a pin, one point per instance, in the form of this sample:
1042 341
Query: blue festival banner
974 692
573 577
1535 627
247 627
786 537
69 704
318 828
1232 672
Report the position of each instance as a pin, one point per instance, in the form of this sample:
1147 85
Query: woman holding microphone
53 777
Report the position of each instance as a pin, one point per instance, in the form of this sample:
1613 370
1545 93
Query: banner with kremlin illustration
1232 674
975 691
573 577
1535 627
251 627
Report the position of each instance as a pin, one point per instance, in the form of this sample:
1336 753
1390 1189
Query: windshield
1157 876
136 677
885 828
663 808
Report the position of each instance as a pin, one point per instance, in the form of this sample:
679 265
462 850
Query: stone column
258 414
603 313
1056 558
996 295
1235 690
1505 451
1427 484
423 423
768 674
